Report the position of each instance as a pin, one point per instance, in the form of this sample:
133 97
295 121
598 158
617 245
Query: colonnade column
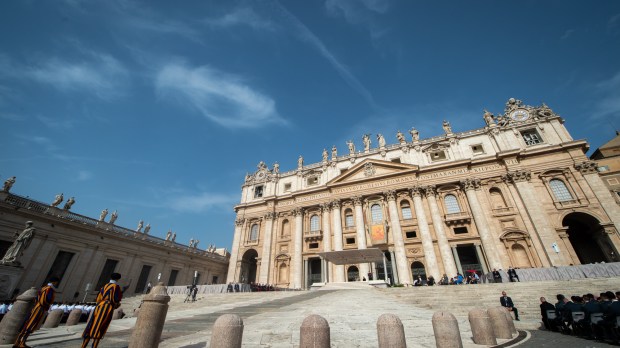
297 249
232 266
458 261
488 242
327 240
360 228
397 236
485 270
425 234
339 269
266 254
536 213
438 223
393 265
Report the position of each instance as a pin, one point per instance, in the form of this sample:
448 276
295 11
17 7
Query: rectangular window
258 191
313 245
612 181
407 213
144 277
395 160
313 180
531 137
348 221
477 149
59 267
173 277
106 273
350 240
438 156
214 280
410 234
460 230
287 187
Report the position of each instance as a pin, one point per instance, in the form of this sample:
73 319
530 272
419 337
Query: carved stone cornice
390 195
297 211
270 216
357 200
335 204
586 167
239 222
517 176
470 184
325 207
416 191
430 190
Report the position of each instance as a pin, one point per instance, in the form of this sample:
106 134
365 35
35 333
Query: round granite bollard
53 318
14 319
118 313
500 323
74 317
481 327
314 332
390 332
511 323
149 325
227 332
446 328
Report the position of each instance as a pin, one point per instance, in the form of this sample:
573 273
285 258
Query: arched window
497 199
314 223
452 205
348 218
560 191
286 228
376 213
405 209
254 233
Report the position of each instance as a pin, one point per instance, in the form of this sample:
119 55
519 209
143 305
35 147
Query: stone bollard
14 319
390 331
446 329
74 317
499 322
227 332
150 323
53 319
481 327
511 323
118 313
314 332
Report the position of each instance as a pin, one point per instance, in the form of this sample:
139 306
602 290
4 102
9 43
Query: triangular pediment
371 169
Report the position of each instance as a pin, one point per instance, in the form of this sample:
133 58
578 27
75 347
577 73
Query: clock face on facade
520 115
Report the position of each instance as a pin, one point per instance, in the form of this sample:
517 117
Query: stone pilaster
337 220
393 265
266 254
360 230
232 266
425 235
397 236
438 224
297 275
327 238
470 185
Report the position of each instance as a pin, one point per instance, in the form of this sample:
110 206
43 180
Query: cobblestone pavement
540 338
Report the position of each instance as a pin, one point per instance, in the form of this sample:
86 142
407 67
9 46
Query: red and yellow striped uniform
109 298
45 299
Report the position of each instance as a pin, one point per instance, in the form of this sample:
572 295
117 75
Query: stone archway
353 274
248 267
588 238
417 269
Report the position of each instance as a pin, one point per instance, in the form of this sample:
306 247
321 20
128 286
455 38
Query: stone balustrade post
446 329
227 332
150 323
53 318
499 321
314 332
74 317
481 327
390 332
14 319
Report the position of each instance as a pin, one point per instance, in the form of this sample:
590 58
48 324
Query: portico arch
248 267
588 239
417 269
353 274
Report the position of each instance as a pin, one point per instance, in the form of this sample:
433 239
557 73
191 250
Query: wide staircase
460 299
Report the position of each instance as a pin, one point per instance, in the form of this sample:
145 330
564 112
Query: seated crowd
471 278
588 316
66 307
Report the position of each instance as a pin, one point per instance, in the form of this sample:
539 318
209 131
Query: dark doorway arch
248 267
417 269
587 236
353 274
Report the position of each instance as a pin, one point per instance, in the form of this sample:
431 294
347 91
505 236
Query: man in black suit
512 275
497 277
507 302
544 307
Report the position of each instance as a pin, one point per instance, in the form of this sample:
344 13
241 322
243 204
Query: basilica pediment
372 169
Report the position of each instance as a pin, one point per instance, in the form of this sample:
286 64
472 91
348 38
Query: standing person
194 293
45 298
108 300
506 301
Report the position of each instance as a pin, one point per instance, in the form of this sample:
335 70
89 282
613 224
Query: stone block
481 327
314 332
53 318
446 329
390 332
227 332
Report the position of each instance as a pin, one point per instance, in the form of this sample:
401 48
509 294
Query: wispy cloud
223 98
363 13
241 16
53 123
568 33
202 202
608 105
308 36
84 175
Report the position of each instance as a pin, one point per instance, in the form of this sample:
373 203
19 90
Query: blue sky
158 109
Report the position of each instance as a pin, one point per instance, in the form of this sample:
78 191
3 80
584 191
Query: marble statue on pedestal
276 168
140 224
488 118
300 162
415 134
8 184
366 140
59 198
168 235
113 217
334 152
69 203
325 155
174 237
351 147
147 228
19 245
446 127
104 213
381 140
400 137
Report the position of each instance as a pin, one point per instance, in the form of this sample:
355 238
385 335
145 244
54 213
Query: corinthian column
397 236
297 249
232 265
266 255
336 217
361 232
425 235
488 242
327 239
442 239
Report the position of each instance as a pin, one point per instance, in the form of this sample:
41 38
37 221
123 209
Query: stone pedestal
149 325
74 317
314 332
53 318
9 277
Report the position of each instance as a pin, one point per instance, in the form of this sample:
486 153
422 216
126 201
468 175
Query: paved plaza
272 319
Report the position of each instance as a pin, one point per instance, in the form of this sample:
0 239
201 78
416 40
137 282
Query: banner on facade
377 234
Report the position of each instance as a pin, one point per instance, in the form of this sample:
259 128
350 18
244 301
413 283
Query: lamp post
195 277
88 286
